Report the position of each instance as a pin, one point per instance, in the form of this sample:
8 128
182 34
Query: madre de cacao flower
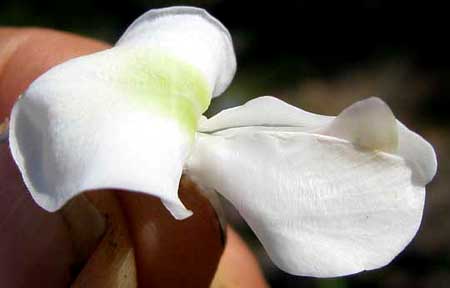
327 196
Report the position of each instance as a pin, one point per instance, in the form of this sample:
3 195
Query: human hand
148 246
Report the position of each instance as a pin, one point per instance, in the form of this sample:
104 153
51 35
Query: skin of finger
175 253
27 53
47 48
172 234
235 264
35 246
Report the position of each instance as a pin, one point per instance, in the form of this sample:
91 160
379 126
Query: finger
35 247
155 258
175 253
31 53
113 263
24 55
27 53
238 267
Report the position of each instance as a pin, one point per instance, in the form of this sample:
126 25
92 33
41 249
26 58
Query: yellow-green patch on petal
165 85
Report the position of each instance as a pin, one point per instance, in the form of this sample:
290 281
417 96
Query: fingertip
26 53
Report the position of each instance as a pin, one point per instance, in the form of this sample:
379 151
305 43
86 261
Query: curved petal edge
191 34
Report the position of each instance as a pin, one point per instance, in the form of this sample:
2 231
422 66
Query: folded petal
321 205
368 124
418 153
264 111
122 118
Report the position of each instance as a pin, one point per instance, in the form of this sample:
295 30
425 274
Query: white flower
327 196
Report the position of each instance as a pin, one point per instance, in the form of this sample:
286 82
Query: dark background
321 56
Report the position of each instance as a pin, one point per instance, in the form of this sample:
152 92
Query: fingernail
112 264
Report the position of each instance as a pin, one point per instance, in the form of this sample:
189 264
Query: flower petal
264 111
323 196
185 35
319 206
72 131
368 124
418 153
122 118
